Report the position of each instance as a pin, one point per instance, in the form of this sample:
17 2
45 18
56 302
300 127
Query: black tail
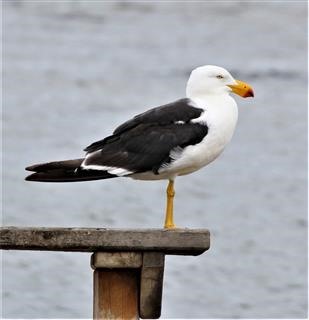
64 171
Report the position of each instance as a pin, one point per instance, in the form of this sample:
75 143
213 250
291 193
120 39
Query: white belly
197 156
194 157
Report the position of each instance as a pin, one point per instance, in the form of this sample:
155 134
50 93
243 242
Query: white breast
220 115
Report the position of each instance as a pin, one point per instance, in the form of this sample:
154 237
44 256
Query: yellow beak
242 89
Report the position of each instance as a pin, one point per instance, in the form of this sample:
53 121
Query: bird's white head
213 80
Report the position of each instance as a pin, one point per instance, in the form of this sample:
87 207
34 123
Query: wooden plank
151 285
115 294
176 241
112 260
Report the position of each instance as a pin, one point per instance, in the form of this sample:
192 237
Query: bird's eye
220 76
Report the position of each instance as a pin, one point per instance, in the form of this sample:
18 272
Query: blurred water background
73 70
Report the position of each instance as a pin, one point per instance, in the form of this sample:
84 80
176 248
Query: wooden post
127 285
115 285
128 264
115 294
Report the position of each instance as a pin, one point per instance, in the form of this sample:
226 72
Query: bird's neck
212 101
221 112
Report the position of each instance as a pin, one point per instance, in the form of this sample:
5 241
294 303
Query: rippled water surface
75 70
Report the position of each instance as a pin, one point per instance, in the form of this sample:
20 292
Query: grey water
73 71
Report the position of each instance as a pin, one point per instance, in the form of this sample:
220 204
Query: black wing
180 110
144 143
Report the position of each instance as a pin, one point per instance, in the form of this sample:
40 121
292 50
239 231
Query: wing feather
182 110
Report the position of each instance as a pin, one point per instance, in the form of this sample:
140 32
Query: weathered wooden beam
176 241
116 260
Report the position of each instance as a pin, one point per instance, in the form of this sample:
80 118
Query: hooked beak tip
250 93
242 89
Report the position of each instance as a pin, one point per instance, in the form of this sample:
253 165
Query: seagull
164 142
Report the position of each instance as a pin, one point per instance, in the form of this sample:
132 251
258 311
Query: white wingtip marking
112 170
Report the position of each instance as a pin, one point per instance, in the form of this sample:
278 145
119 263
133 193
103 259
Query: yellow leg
169 216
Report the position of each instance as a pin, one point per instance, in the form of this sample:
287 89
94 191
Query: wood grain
115 294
